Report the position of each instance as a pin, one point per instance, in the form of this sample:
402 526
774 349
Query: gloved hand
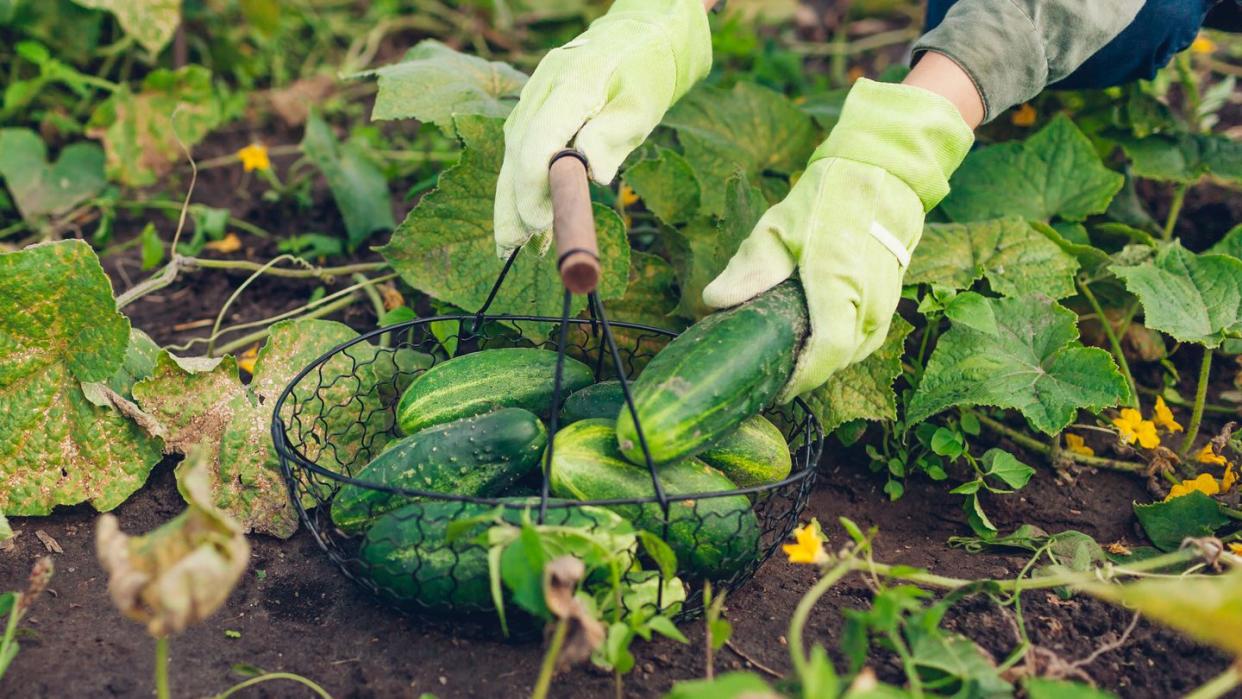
610 87
850 223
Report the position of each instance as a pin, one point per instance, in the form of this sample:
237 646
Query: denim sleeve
1013 49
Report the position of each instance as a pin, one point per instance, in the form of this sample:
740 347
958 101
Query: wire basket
339 413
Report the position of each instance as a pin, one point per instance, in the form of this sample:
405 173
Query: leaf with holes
864 390
358 185
1015 257
59 330
41 189
1033 363
1194 298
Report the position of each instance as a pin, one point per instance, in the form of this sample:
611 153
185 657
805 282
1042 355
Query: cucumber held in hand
479 382
603 399
754 454
722 370
481 456
409 555
712 537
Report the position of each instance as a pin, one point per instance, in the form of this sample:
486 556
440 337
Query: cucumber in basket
756 453
712 537
481 456
603 399
722 370
409 555
482 381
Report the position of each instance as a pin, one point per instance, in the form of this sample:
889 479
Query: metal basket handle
573 222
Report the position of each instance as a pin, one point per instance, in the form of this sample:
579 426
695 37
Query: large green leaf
433 83
1184 157
1230 244
139 363
667 186
1194 298
1016 258
140 132
1056 172
863 391
445 246
701 249
41 189
749 127
1204 607
59 329
151 22
337 420
357 183
1033 363
1171 522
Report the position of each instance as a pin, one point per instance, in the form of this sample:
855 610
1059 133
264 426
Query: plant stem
1038 446
1113 341
803 610
326 309
549 660
1220 685
311 271
10 632
1183 403
267 677
1196 413
161 668
1175 210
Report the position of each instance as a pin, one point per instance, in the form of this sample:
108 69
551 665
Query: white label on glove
890 241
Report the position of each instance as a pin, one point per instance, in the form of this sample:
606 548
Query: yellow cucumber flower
809 547
1164 417
1205 484
1208 455
1075 445
1132 427
254 157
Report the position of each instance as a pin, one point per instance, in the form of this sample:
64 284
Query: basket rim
287 454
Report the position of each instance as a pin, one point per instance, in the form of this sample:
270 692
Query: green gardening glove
850 223
605 91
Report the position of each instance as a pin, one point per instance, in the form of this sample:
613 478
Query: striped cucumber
754 454
603 399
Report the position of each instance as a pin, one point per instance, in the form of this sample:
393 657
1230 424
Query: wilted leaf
1016 258
358 186
151 22
1056 172
1034 363
451 229
203 404
140 131
41 189
667 186
1207 608
434 83
1168 523
863 391
1185 157
59 328
1194 298
749 127
182 572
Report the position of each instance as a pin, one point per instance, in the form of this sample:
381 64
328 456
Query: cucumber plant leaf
59 330
1204 607
667 186
1169 523
445 247
1034 363
864 390
650 299
1194 298
357 183
433 83
1230 244
1016 258
1055 172
1184 157
138 364
152 23
779 137
203 404
41 189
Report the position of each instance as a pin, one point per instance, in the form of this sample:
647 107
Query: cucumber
603 399
481 456
754 454
712 537
722 370
409 557
480 382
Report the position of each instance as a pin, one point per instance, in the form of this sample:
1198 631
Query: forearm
937 73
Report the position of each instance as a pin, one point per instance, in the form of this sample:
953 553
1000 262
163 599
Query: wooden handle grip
573 224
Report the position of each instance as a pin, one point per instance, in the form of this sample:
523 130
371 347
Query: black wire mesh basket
339 413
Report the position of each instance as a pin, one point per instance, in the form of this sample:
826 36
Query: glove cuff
913 134
685 25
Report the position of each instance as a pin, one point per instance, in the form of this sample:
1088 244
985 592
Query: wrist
939 74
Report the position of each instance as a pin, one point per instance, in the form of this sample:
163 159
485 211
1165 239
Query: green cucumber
480 456
723 369
603 399
754 454
712 537
408 554
480 382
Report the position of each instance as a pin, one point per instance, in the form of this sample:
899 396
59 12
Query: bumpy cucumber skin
480 456
602 399
712 537
480 382
722 370
756 453
408 554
